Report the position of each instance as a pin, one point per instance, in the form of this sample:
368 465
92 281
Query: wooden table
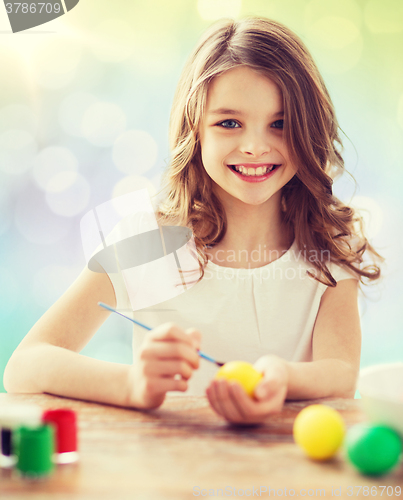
182 448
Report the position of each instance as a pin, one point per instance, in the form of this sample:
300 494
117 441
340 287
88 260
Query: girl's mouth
257 174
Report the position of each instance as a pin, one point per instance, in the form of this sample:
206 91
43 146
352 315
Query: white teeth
253 171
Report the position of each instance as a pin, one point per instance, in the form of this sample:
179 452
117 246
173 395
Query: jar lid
13 416
65 422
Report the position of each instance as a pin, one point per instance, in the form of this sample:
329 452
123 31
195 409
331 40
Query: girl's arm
48 359
336 348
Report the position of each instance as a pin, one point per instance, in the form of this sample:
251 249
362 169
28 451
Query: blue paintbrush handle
127 317
109 308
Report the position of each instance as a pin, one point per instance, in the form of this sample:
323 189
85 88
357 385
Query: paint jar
11 418
64 421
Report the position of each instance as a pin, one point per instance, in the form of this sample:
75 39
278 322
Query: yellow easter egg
242 372
319 430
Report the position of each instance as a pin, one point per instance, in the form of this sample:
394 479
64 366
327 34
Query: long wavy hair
319 221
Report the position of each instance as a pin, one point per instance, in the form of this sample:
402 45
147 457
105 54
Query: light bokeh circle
68 195
72 110
210 10
18 116
50 162
35 222
103 123
128 185
135 152
371 213
61 181
112 40
17 151
54 64
333 34
346 9
384 16
336 44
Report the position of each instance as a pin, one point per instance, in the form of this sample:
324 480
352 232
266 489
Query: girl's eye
226 121
280 124
277 124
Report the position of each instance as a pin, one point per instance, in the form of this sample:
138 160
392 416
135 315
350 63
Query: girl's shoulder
138 222
131 225
336 267
340 271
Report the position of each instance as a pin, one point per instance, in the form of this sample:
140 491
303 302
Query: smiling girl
254 151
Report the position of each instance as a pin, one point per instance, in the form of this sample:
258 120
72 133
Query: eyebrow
227 111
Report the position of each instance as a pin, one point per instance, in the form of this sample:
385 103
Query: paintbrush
200 353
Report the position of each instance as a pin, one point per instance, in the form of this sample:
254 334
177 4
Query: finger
171 351
264 363
170 332
216 398
250 414
240 400
168 369
269 386
275 376
196 337
270 406
255 411
161 385
211 393
229 411
266 389
252 411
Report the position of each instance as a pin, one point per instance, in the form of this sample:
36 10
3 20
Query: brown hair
319 221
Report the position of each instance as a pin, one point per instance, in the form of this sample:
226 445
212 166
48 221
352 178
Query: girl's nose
256 144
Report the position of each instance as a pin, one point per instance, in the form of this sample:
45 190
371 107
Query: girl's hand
230 400
164 362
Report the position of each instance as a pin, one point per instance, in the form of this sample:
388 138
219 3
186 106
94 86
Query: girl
255 148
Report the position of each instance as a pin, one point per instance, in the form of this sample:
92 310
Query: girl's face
250 135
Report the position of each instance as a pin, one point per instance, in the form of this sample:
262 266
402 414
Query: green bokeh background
130 54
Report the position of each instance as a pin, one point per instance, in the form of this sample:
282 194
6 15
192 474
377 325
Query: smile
258 174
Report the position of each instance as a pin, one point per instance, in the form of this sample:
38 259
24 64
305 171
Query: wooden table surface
183 447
